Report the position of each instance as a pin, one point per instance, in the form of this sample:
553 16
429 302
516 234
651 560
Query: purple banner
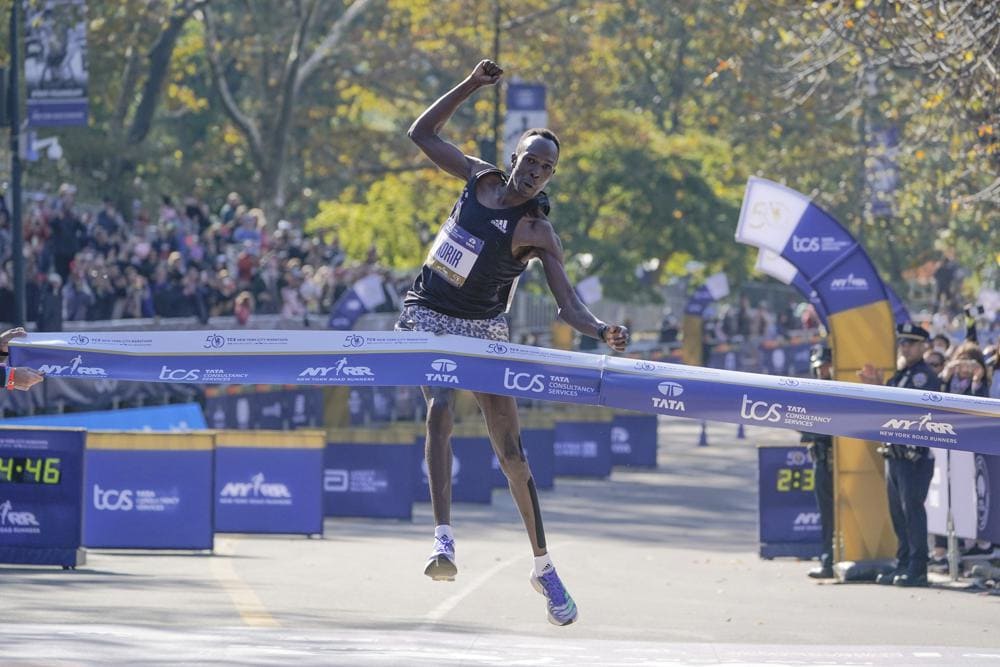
370 359
269 490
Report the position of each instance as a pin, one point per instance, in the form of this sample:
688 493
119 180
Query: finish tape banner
868 412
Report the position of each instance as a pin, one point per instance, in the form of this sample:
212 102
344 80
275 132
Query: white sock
444 530
543 564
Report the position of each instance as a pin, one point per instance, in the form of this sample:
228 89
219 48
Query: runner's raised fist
486 73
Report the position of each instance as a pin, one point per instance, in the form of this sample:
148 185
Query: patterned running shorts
419 318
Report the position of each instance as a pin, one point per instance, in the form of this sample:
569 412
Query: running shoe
441 563
562 609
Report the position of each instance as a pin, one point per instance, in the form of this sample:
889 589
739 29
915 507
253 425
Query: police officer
821 454
908 468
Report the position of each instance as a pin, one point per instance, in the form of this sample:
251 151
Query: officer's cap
910 331
820 354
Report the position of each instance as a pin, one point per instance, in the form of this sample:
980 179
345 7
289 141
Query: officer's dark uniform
821 454
908 473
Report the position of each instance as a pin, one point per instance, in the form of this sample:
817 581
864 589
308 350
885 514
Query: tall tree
260 63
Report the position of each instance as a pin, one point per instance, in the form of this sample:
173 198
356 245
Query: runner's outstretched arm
425 129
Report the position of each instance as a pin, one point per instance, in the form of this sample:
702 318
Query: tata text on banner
789 519
369 473
55 62
149 491
41 496
411 359
362 359
869 412
269 482
525 110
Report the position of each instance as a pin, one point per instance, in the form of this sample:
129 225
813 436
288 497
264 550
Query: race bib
454 253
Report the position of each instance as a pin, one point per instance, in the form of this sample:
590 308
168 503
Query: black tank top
470 268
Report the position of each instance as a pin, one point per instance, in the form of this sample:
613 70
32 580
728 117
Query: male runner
498 223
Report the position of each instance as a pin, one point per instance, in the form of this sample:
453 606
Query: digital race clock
30 469
789 517
41 496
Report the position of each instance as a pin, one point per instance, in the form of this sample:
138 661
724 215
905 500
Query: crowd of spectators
182 260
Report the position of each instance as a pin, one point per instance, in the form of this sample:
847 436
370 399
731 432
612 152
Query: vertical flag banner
55 62
716 287
861 324
779 268
364 296
590 290
525 110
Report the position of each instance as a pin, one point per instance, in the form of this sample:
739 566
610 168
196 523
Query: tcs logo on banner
113 500
760 411
523 381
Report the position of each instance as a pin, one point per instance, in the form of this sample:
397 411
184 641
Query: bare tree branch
331 42
229 104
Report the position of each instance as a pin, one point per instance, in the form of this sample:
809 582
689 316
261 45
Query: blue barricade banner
634 440
41 496
539 449
987 485
582 448
269 482
868 412
785 359
410 359
148 491
182 417
280 410
789 518
371 479
471 473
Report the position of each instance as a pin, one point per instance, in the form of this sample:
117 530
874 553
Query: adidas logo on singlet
500 224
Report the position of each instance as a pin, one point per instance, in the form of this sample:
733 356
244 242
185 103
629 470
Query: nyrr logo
255 488
75 367
443 371
760 411
672 390
805 243
523 381
849 282
807 519
925 423
8 517
340 369
113 500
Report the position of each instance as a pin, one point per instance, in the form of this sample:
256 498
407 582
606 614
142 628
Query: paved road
662 563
